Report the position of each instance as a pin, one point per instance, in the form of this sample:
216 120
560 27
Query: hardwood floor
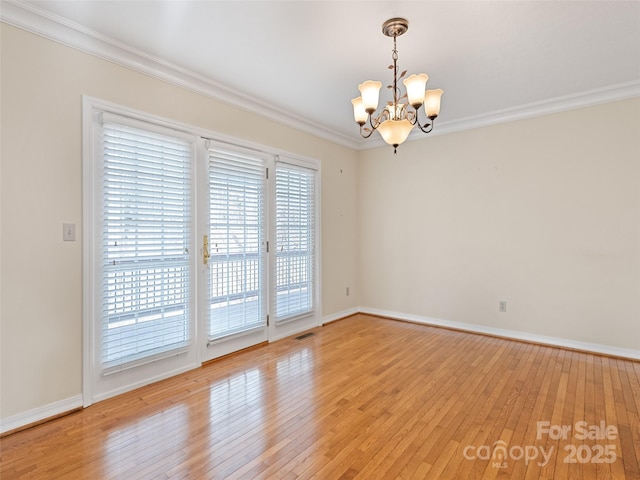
363 398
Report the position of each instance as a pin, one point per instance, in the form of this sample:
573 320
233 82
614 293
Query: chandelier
396 120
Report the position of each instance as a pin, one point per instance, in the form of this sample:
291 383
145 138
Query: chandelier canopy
396 120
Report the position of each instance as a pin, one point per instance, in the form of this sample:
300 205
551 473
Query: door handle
205 250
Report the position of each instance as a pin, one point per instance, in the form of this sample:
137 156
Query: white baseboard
513 334
340 315
41 413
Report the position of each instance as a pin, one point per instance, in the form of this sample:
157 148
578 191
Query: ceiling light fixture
396 121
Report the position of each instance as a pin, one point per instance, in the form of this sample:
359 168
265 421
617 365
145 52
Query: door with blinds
294 263
234 249
259 258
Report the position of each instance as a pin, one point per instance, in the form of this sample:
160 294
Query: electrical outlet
347 291
502 306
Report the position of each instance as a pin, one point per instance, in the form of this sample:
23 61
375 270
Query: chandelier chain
394 56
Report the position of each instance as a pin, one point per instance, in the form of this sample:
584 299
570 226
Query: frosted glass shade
359 113
432 102
370 92
415 85
394 132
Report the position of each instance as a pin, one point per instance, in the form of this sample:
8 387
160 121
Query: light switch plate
69 232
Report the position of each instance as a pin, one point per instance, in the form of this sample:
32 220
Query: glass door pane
236 242
295 214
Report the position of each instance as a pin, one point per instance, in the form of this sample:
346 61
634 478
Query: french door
193 248
259 265
233 266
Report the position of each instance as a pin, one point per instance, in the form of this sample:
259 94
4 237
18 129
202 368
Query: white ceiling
308 57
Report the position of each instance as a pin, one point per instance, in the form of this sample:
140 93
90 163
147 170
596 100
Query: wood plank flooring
363 398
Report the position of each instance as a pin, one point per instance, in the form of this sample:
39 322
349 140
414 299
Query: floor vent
310 334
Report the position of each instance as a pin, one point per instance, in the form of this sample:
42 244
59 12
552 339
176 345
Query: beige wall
543 213
41 306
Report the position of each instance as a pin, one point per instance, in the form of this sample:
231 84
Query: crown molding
71 34
58 29
587 98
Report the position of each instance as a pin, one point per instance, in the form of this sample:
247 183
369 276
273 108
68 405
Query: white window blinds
295 241
146 235
236 240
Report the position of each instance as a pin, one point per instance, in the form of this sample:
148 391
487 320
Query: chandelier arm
427 126
375 123
366 135
373 127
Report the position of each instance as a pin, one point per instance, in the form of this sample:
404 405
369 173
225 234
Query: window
295 234
146 236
